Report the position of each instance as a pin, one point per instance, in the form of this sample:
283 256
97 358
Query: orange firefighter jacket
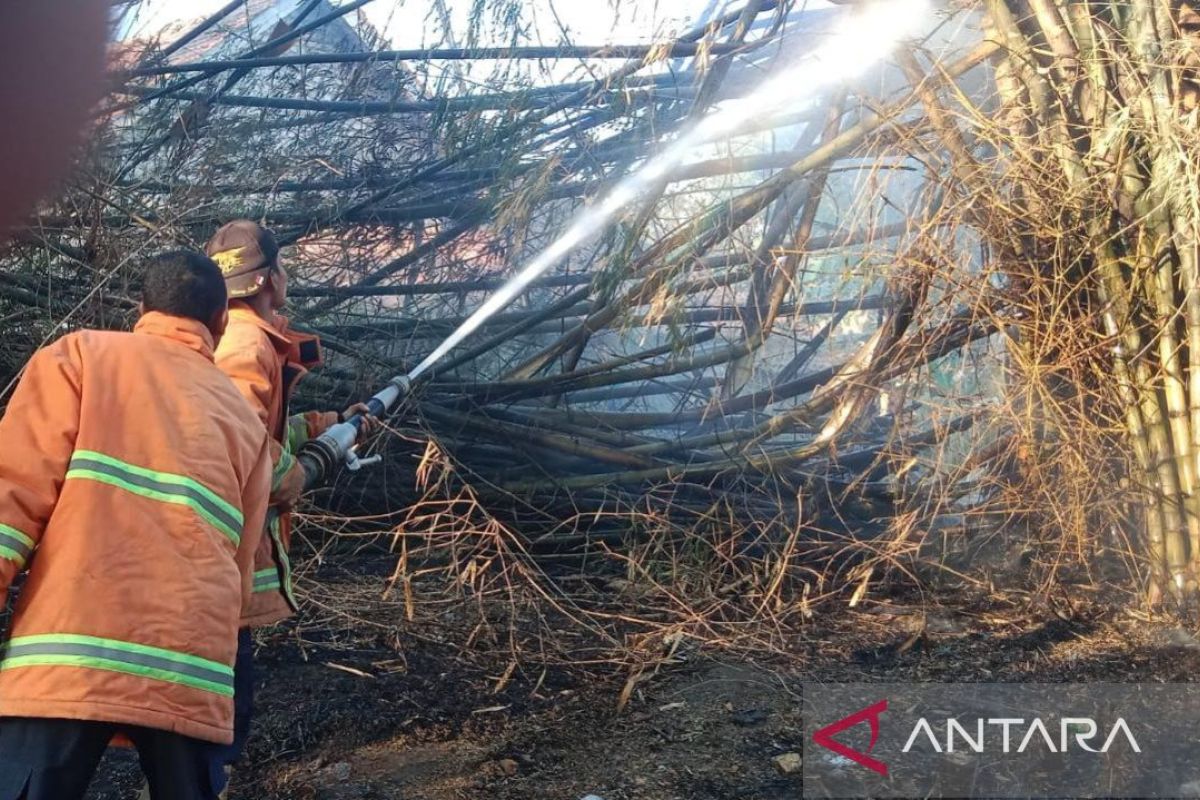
133 488
266 360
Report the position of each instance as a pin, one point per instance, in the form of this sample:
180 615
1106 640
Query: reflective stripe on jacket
133 487
266 360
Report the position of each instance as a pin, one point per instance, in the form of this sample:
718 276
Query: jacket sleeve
252 378
38 430
255 498
309 425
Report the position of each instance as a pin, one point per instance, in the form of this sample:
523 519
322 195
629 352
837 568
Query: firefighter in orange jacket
266 359
133 488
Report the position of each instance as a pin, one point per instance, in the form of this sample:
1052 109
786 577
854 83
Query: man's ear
217 325
275 281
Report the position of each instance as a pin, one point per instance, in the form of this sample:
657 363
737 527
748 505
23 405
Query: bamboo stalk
1127 342
765 299
584 52
926 347
567 444
196 32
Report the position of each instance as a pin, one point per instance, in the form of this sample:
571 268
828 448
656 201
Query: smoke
860 40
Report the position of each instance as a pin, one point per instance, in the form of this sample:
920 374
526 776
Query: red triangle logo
870 715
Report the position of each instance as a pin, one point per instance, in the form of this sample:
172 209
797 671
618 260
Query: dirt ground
368 712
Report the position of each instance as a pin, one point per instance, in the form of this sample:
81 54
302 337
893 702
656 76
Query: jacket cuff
286 463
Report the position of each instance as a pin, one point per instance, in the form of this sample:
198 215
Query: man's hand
369 425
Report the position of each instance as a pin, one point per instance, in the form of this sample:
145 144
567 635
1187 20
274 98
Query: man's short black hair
183 283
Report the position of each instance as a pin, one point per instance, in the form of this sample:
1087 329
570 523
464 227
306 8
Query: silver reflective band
266 580
15 545
162 486
73 650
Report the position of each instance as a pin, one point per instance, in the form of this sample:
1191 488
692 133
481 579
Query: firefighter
133 490
266 359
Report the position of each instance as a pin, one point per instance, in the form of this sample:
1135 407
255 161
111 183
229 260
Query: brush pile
954 293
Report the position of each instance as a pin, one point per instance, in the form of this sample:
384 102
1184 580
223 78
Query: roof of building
259 21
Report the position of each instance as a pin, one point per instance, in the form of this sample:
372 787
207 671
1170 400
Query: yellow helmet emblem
228 260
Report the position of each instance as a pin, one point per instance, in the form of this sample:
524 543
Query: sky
406 22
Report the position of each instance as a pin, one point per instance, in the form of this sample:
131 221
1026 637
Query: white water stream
861 39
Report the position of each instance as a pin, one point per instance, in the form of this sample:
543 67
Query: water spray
862 38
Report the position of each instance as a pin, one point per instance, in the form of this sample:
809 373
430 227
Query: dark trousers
54 759
222 756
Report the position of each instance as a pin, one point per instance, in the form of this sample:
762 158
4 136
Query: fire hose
321 456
